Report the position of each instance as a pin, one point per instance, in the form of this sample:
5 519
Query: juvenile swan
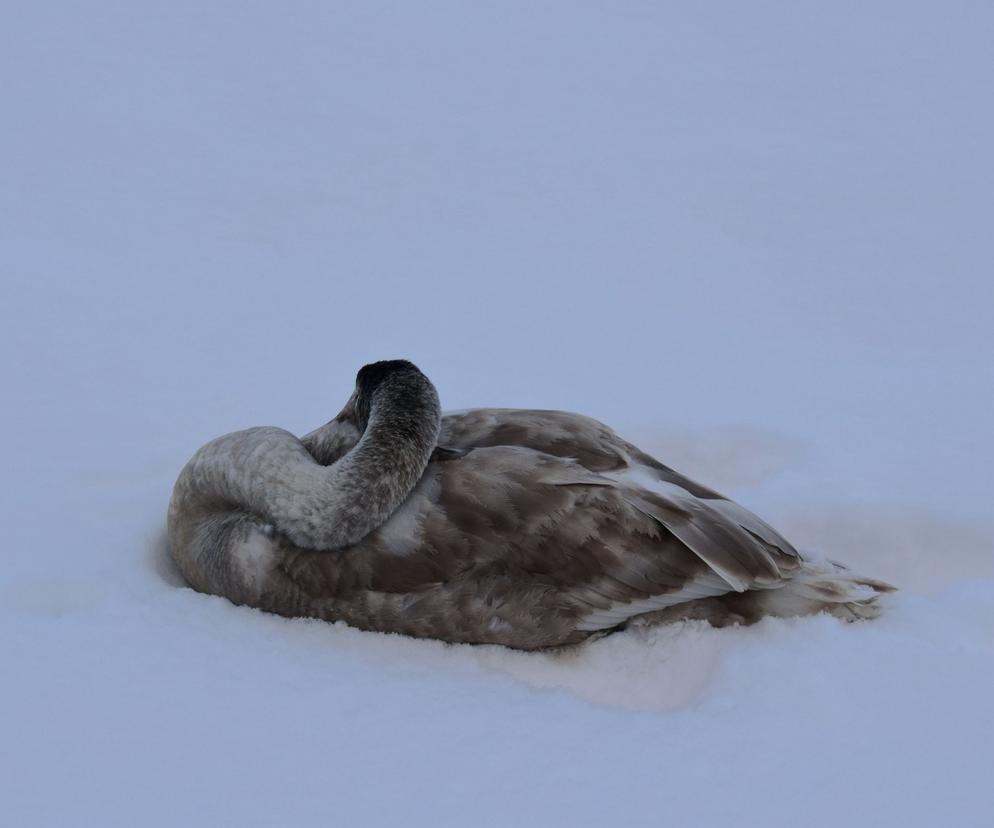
503 526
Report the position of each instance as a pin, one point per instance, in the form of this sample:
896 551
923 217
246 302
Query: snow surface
755 237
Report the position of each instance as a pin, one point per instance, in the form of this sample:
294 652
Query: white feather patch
706 586
254 559
401 534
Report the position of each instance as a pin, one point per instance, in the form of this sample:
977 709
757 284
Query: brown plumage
525 528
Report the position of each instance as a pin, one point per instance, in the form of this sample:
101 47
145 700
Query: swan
525 528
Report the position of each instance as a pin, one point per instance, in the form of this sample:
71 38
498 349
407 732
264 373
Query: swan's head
403 380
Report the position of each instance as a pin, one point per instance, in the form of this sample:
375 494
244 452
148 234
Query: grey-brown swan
524 528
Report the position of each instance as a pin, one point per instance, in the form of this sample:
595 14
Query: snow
753 237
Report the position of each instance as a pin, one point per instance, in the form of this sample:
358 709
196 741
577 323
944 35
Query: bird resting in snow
501 526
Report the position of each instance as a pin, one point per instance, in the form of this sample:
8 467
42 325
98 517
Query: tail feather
823 586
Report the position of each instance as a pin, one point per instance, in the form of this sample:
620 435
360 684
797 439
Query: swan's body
524 528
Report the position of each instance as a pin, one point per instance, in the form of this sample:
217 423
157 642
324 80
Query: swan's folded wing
716 531
701 547
612 544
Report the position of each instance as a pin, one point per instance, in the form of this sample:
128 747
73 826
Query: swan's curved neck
330 489
365 486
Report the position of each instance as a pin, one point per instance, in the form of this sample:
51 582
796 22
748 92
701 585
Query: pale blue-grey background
756 236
